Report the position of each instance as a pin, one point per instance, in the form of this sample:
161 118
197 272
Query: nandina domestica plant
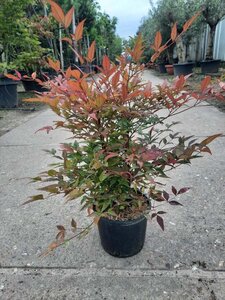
123 142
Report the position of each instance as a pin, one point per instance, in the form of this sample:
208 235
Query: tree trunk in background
181 50
209 52
61 48
73 31
170 54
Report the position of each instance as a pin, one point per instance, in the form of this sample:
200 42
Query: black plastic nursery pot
161 68
183 68
122 238
169 69
8 93
31 85
210 66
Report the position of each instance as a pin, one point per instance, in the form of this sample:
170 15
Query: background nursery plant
123 142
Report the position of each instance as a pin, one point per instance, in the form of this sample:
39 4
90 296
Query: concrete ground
186 261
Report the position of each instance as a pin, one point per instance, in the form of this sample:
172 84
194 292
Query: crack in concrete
108 272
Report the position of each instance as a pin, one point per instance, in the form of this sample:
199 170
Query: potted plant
8 88
213 12
122 145
162 62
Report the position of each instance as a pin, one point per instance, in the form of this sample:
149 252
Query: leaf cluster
124 139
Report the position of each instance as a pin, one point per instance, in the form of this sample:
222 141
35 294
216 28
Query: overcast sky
128 12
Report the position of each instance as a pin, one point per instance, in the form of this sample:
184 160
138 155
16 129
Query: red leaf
175 203
153 215
68 17
151 154
111 155
93 116
174 190
205 82
160 222
60 227
66 148
18 74
47 128
183 190
206 149
166 195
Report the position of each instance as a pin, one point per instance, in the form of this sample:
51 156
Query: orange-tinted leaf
190 21
210 139
68 73
68 17
79 31
57 11
158 40
91 52
96 220
155 56
54 64
34 75
68 40
13 77
116 78
52 246
78 55
138 48
106 63
76 74
174 32
205 82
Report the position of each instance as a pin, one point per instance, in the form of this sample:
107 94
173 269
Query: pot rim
129 221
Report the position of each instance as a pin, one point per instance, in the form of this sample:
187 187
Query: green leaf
34 198
103 176
74 194
52 173
38 178
73 225
52 189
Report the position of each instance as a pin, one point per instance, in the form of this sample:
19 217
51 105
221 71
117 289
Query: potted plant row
122 145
